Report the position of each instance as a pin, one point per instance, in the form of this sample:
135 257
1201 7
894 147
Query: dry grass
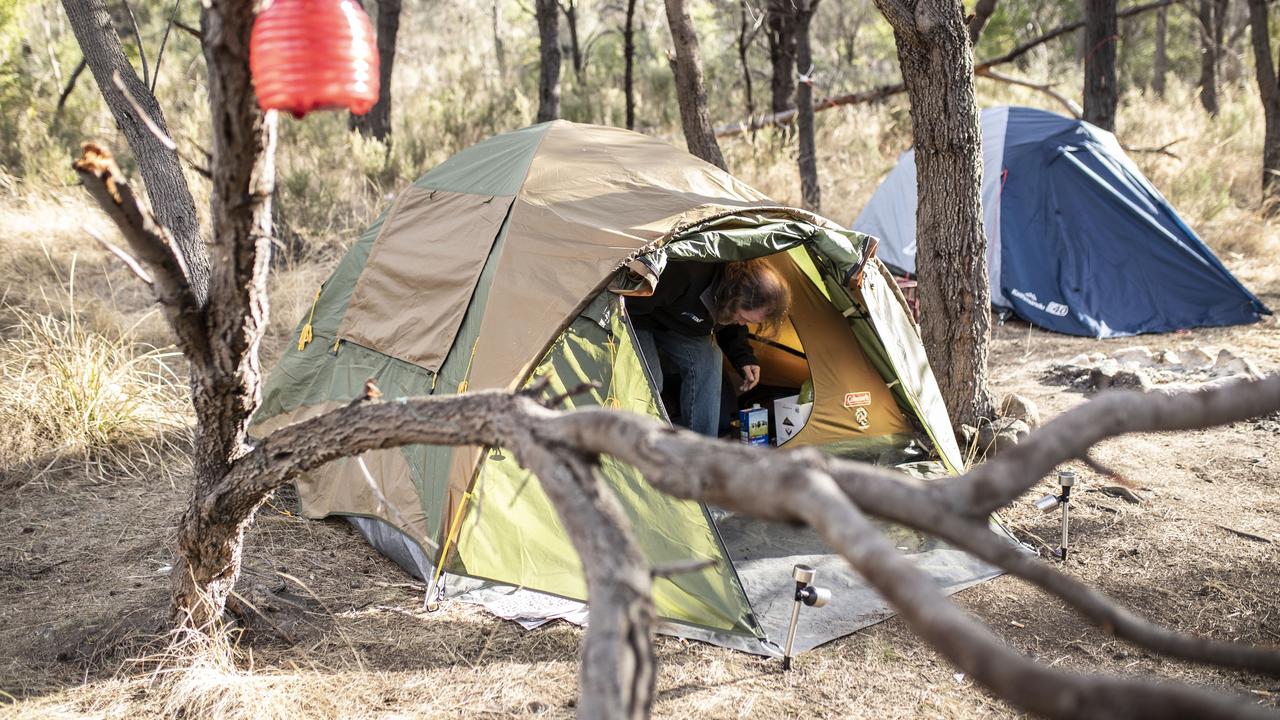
94 412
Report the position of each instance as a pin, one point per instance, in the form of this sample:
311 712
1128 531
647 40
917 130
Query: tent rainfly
511 262
1078 241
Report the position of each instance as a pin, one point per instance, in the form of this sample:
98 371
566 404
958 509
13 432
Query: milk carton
753 425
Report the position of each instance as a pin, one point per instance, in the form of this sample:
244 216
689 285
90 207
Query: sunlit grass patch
70 385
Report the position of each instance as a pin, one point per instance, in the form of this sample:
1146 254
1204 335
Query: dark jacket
683 303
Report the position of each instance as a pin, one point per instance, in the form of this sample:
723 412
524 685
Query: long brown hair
752 285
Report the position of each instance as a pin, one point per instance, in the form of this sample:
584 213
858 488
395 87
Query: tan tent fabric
593 195
845 384
443 236
340 487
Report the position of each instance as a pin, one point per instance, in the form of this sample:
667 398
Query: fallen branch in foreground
803 486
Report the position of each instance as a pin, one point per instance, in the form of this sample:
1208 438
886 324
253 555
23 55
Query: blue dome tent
1078 241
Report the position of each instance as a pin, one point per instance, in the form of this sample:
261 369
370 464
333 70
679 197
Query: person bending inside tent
695 302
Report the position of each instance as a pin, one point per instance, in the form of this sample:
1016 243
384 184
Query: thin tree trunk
377 122
226 388
1212 19
1269 88
981 13
629 61
780 29
810 193
955 299
549 52
159 165
499 49
746 33
1100 93
690 91
575 50
1160 67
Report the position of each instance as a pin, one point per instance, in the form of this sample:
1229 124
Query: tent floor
763 555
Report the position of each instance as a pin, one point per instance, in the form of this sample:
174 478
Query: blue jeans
698 361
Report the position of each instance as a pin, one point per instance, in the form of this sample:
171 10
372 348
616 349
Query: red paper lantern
309 55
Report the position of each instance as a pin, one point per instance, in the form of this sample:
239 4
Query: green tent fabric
494 271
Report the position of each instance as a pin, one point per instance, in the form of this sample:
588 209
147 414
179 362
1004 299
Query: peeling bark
951 260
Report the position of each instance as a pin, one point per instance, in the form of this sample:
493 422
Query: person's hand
750 376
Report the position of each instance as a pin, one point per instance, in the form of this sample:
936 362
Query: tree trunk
746 33
1160 66
780 30
377 122
226 389
575 49
499 49
690 91
629 61
981 13
1269 88
1212 17
549 52
810 193
1100 92
955 297
159 165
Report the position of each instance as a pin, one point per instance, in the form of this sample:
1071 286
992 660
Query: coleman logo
857 399
862 418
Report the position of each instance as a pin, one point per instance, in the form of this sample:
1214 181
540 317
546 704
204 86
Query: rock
1096 357
1081 360
1196 358
1108 375
1226 380
1138 356
1168 357
1011 431
1229 364
995 436
1020 408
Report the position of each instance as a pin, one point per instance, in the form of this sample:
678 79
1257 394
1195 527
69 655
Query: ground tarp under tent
1078 241
510 264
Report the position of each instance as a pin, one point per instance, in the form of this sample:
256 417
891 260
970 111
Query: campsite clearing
87 541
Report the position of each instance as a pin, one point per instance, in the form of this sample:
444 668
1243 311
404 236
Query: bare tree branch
885 91
137 37
1046 88
151 244
999 482
129 261
747 481
164 41
70 86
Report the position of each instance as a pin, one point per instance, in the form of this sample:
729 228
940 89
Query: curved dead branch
798 486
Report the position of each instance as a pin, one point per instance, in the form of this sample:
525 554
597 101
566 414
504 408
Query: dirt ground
338 631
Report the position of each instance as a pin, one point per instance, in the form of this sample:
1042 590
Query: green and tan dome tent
512 261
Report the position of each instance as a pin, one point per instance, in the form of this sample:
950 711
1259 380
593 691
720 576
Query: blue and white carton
753 424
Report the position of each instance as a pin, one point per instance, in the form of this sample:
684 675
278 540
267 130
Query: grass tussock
72 384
